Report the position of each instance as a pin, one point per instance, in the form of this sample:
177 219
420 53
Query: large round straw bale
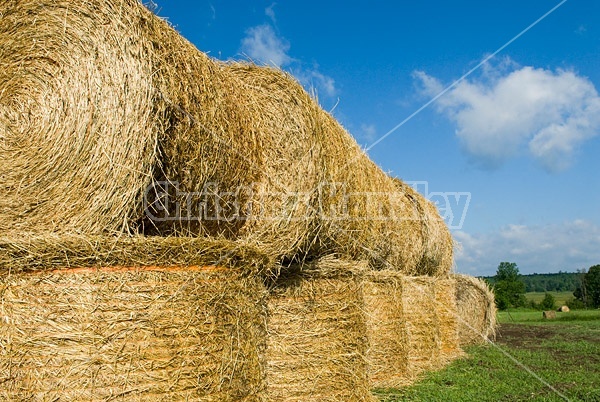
385 221
476 310
283 215
77 125
111 121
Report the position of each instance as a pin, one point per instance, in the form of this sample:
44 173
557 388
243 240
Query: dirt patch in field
529 336
524 336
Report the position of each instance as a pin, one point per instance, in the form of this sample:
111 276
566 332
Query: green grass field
532 360
560 297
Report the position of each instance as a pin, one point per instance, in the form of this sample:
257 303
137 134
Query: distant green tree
548 303
591 281
509 289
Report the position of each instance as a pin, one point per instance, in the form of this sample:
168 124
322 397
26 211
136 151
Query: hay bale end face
386 329
445 305
77 120
476 310
422 324
564 309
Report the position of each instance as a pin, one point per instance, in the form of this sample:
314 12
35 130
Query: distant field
531 317
560 297
532 360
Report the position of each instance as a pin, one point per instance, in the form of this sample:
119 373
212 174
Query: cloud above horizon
567 246
263 45
551 112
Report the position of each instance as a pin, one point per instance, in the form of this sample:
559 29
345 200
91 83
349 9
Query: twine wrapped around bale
387 355
476 310
131 332
110 122
316 334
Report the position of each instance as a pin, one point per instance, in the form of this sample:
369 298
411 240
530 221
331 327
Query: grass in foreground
565 354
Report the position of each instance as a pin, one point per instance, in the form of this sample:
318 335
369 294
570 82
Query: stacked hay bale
77 123
411 325
476 310
105 110
423 329
386 329
122 325
445 306
317 337
111 125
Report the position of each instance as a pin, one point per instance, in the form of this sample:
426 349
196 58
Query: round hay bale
110 121
77 123
476 310
384 221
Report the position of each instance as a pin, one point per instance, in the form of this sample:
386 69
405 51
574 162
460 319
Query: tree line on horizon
556 282
510 286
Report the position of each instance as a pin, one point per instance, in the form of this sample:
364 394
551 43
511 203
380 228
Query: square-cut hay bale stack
411 324
130 320
317 338
106 110
446 310
386 329
476 310
422 323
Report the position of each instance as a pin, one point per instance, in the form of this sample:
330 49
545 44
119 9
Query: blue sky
520 134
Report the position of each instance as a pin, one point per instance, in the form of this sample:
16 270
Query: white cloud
553 112
567 246
314 81
264 46
270 12
369 131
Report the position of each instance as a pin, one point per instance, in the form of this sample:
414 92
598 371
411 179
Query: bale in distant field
317 338
476 310
132 332
549 315
112 122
